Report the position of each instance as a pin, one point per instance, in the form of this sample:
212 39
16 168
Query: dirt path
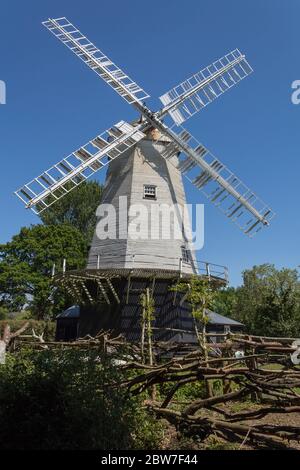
280 419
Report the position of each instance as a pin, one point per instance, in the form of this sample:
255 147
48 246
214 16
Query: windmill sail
222 187
196 162
72 170
198 91
67 33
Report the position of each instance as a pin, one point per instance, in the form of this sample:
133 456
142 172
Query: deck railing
152 261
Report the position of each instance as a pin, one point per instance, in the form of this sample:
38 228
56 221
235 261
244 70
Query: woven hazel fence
261 373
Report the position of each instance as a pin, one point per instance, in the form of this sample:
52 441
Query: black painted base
125 318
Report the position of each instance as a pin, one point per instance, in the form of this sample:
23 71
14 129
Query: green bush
3 313
39 327
189 391
56 400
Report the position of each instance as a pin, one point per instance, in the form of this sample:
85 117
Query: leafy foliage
56 400
199 294
268 302
77 208
225 301
26 262
147 318
189 391
3 313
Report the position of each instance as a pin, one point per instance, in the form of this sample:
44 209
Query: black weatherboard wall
125 318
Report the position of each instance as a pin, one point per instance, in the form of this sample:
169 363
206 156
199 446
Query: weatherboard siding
127 176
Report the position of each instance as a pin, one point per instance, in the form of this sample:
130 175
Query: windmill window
185 254
149 191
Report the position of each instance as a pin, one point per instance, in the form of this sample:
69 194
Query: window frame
149 196
185 254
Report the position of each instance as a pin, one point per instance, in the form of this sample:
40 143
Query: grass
273 366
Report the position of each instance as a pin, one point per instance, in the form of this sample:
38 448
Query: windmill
146 160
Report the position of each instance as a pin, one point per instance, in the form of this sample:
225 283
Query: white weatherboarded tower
140 176
146 160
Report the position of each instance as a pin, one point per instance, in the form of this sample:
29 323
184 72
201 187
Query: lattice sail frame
190 96
61 178
215 180
220 185
80 45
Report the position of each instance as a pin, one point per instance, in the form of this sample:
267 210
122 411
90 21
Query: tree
148 316
225 301
148 311
268 303
200 295
77 208
26 262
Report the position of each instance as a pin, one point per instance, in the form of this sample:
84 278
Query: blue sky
55 103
